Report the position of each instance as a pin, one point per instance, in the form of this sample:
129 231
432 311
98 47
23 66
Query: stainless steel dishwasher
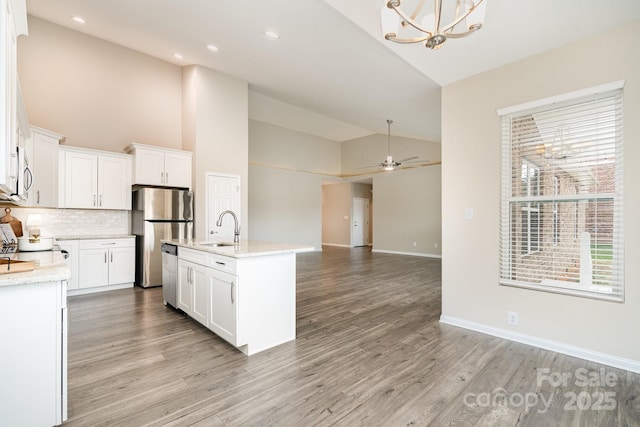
169 273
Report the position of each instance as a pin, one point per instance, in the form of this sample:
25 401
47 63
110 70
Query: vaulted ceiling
331 73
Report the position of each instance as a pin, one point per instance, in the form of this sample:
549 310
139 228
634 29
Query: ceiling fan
389 164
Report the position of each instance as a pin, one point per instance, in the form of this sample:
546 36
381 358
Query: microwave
19 179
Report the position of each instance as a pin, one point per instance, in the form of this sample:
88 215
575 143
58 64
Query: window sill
598 292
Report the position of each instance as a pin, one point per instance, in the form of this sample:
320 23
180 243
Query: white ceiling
332 74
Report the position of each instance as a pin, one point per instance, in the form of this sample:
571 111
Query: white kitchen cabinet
42 152
91 179
13 23
100 264
161 166
193 290
251 300
223 306
33 359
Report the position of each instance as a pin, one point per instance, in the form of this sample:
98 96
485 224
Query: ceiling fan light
388 168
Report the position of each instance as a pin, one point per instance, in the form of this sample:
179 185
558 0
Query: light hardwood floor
369 351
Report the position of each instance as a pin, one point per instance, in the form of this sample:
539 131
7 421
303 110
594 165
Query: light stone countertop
247 248
49 266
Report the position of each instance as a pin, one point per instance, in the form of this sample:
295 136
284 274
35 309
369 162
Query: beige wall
285 206
285 183
336 214
406 204
471 178
275 146
406 210
98 94
215 129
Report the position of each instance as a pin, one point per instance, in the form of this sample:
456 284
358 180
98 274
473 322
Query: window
530 230
556 217
561 227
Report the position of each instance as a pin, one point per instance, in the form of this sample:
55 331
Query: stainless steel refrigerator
158 214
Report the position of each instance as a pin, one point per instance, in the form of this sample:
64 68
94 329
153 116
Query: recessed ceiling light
79 19
177 56
212 48
272 34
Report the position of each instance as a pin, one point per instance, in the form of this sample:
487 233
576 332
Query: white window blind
561 225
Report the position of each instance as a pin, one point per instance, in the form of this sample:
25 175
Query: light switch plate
468 214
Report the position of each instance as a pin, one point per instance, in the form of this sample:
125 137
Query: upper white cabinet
13 22
42 152
160 166
91 179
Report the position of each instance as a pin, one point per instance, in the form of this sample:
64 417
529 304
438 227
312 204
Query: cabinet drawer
199 257
222 263
106 243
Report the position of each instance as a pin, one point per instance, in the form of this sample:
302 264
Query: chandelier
427 26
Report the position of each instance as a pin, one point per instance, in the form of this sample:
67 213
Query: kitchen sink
216 244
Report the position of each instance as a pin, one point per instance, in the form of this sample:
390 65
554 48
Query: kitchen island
245 293
33 360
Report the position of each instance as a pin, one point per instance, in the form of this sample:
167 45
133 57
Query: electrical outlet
512 318
414 244
435 245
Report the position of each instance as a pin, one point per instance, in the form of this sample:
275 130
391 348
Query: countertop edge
246 249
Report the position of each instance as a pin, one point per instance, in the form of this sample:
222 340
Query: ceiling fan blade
407 159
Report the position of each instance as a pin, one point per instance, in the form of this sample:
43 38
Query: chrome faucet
236 230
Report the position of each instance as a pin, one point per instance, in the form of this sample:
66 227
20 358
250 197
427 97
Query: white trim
558 347
93 290
336 245
383 251
560 98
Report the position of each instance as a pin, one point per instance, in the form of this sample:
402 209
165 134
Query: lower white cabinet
250 302
223 314
193 290
100 264
33 359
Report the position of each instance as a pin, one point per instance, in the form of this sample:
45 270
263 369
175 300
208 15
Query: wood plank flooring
369 351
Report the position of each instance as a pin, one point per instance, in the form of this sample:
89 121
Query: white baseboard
558 347
383 251
84 291
336 245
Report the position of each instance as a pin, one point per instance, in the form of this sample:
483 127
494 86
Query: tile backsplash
74 222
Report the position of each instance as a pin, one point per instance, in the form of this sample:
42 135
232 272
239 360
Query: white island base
246 297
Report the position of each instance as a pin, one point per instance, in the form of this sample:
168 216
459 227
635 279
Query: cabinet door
114 183
93 267
185 290
44 165
177 169
81 180
149 167
223 306
200 306
122 267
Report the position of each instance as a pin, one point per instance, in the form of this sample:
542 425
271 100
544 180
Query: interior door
360 222
223 193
